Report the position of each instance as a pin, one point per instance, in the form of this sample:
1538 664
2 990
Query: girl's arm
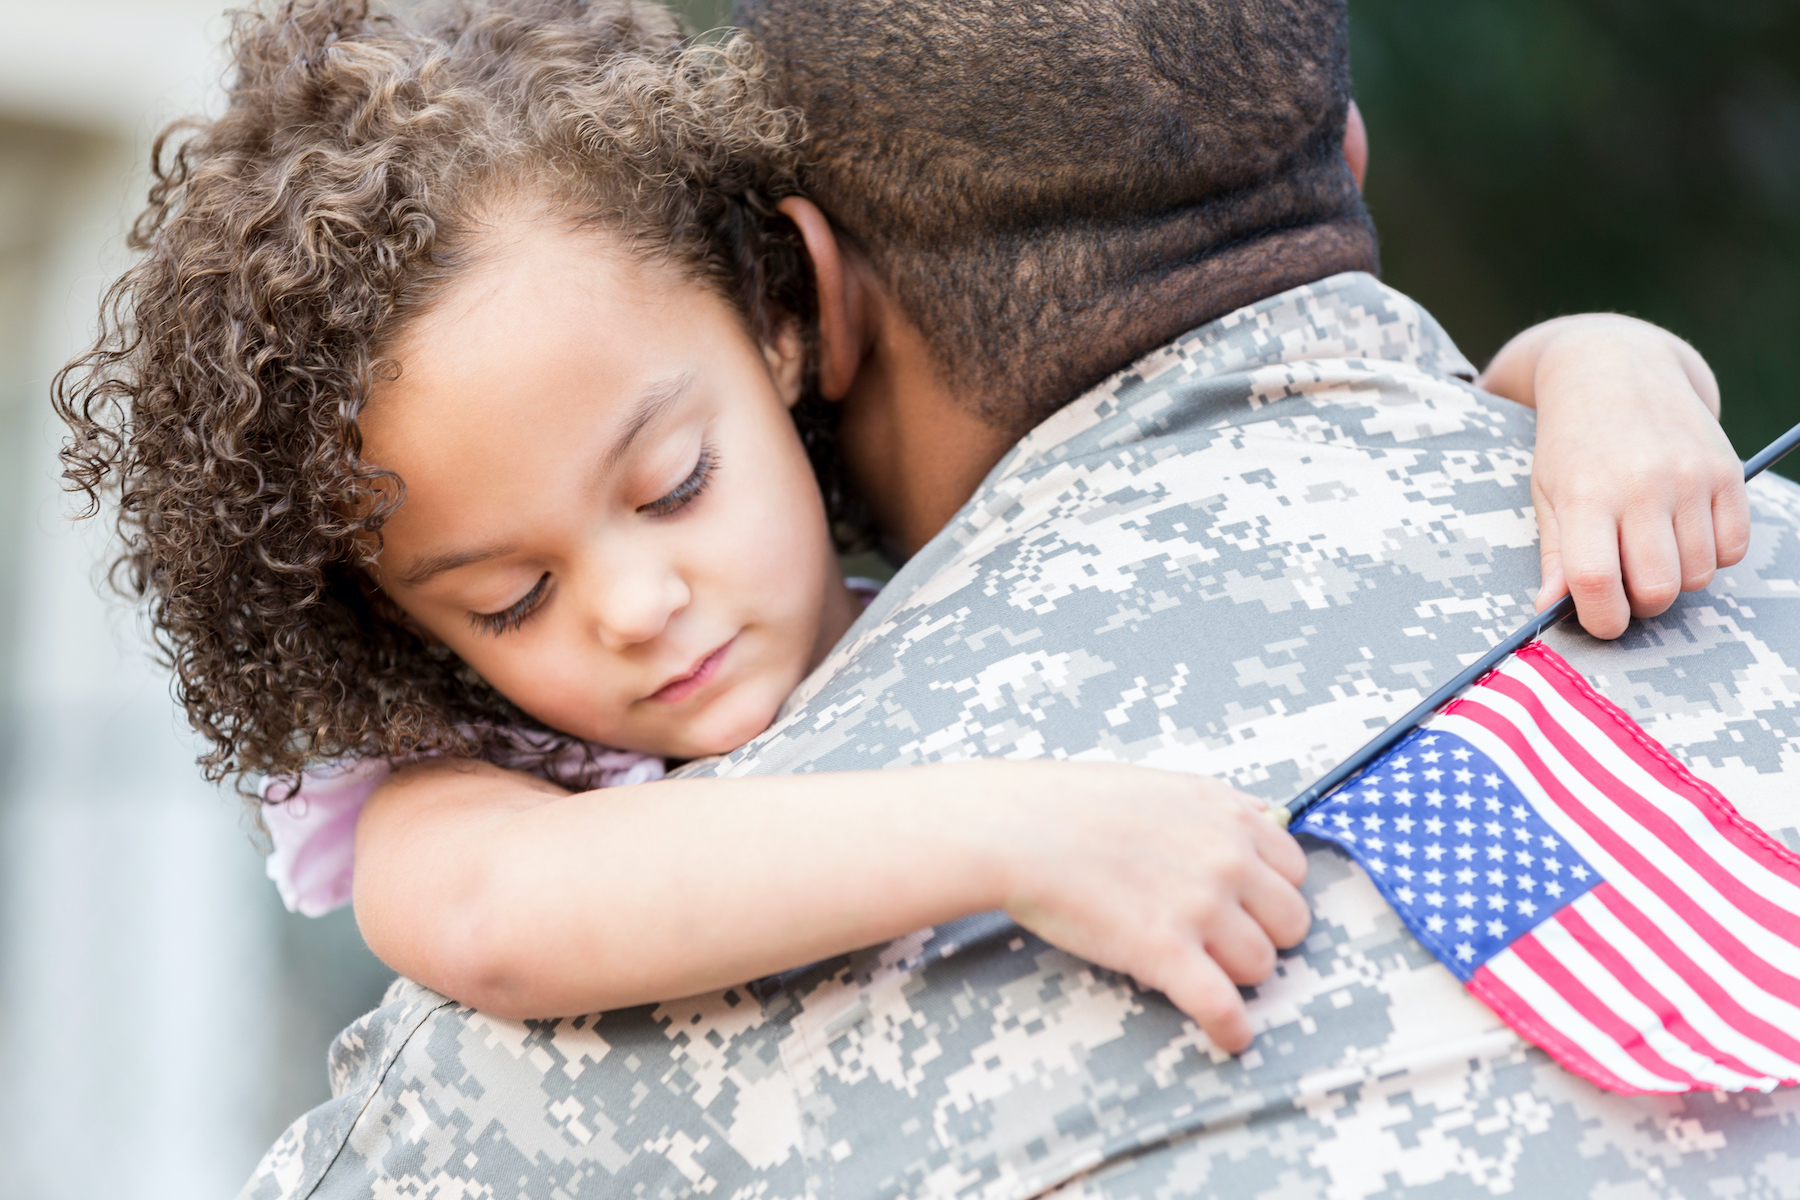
1639 496
508 895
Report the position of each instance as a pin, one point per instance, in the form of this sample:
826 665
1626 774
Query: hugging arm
1639 496
513 897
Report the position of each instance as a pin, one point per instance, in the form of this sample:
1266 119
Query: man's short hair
1037 179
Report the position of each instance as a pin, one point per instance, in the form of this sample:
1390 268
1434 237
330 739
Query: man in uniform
1181 484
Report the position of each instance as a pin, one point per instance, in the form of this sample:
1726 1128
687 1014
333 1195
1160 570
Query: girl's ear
843 308
786 356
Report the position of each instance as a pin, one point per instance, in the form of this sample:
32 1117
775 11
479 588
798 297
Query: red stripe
1752 966
1649 754
1599 1014
1708 989
1641 989
1523 1018
1779 921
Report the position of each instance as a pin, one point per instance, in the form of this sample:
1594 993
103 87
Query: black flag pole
1533 629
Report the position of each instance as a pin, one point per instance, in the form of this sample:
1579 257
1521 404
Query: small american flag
1608 905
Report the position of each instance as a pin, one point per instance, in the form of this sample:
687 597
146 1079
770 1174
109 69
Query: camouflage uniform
1240 556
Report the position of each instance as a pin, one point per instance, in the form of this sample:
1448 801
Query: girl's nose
635 605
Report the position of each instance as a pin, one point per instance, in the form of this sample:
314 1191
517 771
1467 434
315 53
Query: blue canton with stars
1462 856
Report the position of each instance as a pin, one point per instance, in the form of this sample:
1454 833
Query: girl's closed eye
516 614
685 492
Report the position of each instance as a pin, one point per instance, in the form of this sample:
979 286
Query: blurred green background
1538 157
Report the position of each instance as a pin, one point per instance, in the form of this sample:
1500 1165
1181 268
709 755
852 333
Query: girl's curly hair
286 243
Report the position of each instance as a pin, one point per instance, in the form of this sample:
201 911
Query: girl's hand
1638 494
1177 880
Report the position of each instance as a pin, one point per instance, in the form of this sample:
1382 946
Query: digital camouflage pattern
1241 556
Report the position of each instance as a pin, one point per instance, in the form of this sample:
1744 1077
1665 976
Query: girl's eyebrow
653 402
422 570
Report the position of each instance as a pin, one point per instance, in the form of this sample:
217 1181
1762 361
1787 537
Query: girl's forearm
468 881
1590 342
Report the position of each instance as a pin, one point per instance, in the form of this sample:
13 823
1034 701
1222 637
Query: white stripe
1713 1026
1780 952
1771 1008
1561 945
1562 1016
1779 889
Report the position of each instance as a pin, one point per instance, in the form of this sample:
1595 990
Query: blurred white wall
160 1017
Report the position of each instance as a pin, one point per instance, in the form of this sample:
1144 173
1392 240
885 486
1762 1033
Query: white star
1433 774
1460 754
1403 777
1374 843
1519 813
1403 871
1434 923
1403 824
1496 928
1465 900
1491 780
1465 924
1555 889
1552 866
1496 878
1429 739
1429 755
1377 866
1434 825
1435 899
1579 872
1522 857
1466 876
1372 821
1464 800
1402 762
1549 842
1494 829
1522 834
1497 902
1403 797
1465 852
1434 798
1371 796
1465 827
1527 908
1403 849
1434 851
1434 877
1464 775
1492 802
1525 882
1495 853
1464 951
1404 895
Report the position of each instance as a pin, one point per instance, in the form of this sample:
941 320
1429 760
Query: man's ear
842 306
1356 145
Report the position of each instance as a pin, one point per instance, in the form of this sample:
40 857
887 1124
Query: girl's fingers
1277 847
1276 905
1240 946
1694 543
1590 564
1197 985
1549 551
1650 560
1731 523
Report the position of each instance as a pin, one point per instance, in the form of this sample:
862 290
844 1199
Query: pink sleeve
313 826
314 833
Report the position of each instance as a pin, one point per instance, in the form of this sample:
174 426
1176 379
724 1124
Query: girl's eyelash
513 615
685 491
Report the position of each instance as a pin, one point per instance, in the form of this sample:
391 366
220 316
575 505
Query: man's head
1051 187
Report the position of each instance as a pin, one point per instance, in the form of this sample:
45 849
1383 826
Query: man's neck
916 450
918 446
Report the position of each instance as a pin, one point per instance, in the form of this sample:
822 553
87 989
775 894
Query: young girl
460 408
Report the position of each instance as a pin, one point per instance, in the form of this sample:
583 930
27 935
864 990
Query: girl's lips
677 690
